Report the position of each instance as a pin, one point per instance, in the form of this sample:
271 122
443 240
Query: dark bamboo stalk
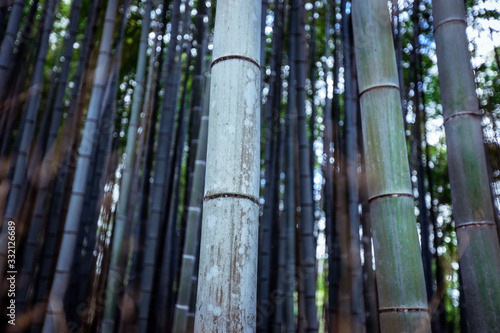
471 197
370 288
307 213
4 7
160 172
351 102
312 81
289 213
334 249
32 107
65 155
437 304
328 172
272 113
175 237
417 142
71 226
150 110
8 43
46 172
167 257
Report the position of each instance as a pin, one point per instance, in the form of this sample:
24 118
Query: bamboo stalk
228 258
400 280
478 245
53 320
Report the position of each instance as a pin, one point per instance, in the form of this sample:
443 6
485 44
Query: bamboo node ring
403 310
379 86
476 224
229 57
231 195
463 113
450 20
384 195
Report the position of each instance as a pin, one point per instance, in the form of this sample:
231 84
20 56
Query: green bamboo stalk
400 280
478 246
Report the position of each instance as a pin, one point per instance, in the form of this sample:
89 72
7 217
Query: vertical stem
54 315
478 245
305 173
115 276
400 280
228 258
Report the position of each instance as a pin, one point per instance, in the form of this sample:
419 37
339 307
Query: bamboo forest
249 166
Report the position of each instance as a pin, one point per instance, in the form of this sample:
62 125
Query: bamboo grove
266 165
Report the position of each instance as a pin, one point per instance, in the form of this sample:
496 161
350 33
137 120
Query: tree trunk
400 280
478 246
228 258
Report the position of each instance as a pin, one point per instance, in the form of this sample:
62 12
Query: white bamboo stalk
228 258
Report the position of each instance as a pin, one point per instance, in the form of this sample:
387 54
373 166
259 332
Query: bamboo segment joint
229 57
379 86
463 113
476 224
231 195
390 195
450 20
194 209
189 256
403 310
